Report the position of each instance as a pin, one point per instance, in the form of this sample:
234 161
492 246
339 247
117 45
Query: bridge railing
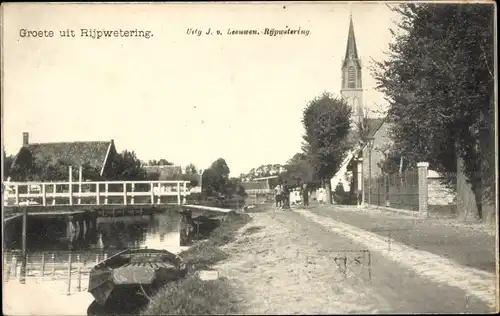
95 193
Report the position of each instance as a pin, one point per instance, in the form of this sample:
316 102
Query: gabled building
100 155
352 92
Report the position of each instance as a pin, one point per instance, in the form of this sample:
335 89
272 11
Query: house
164 172
99 155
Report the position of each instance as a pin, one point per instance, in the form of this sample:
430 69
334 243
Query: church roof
351 51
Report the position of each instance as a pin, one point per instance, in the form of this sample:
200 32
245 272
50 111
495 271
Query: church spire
351 51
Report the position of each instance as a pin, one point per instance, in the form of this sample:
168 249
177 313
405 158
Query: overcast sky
185 98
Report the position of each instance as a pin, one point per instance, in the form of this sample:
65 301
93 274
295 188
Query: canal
58 262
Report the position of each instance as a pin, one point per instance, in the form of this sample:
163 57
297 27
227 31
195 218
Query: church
353 169
362 160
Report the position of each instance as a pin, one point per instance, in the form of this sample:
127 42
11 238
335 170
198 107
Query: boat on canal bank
127 280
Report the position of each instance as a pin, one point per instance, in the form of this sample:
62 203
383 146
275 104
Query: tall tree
216 177
129 167
439 81
326 120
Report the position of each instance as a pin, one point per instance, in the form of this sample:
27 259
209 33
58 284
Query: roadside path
471 245
288 263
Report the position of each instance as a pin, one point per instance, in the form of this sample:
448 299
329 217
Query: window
351 77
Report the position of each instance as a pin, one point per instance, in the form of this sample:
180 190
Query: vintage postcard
249 158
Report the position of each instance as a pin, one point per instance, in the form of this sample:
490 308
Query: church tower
352 88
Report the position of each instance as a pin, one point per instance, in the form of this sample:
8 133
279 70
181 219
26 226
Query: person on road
278 191
305 195
286 197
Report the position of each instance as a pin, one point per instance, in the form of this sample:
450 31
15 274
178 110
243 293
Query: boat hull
132 275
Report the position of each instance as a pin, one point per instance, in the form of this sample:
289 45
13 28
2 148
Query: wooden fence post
69 275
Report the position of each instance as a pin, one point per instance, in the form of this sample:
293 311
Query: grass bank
193 296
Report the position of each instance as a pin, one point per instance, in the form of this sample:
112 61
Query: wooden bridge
117 193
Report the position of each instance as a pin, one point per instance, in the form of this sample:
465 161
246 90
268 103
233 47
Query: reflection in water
112 234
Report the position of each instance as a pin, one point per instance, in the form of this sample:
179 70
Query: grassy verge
193 296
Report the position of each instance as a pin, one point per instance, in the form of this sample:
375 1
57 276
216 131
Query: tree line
439 82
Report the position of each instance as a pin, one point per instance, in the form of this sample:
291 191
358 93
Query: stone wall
442 194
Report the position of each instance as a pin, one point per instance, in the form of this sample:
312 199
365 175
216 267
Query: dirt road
295 263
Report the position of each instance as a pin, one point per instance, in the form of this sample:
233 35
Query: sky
185 98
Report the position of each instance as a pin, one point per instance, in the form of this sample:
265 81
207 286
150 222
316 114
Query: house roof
166 172
351 51
93 153
266 178
374 125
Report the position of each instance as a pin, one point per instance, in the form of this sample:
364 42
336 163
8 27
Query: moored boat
132 276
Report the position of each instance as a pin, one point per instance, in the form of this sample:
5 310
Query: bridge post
70 190
80 179
44 195
124 193
22 274
151 187
178 193
98 198
106 188
185 193
69 275
159 193
16 186
133 190
54 196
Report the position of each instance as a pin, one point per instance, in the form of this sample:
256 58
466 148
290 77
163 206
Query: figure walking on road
279 195
305 195
286 197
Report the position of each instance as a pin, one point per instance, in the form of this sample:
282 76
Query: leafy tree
439 82
326 120
25 168
129 167
7 164
298 169
215 178
164 162
191 169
